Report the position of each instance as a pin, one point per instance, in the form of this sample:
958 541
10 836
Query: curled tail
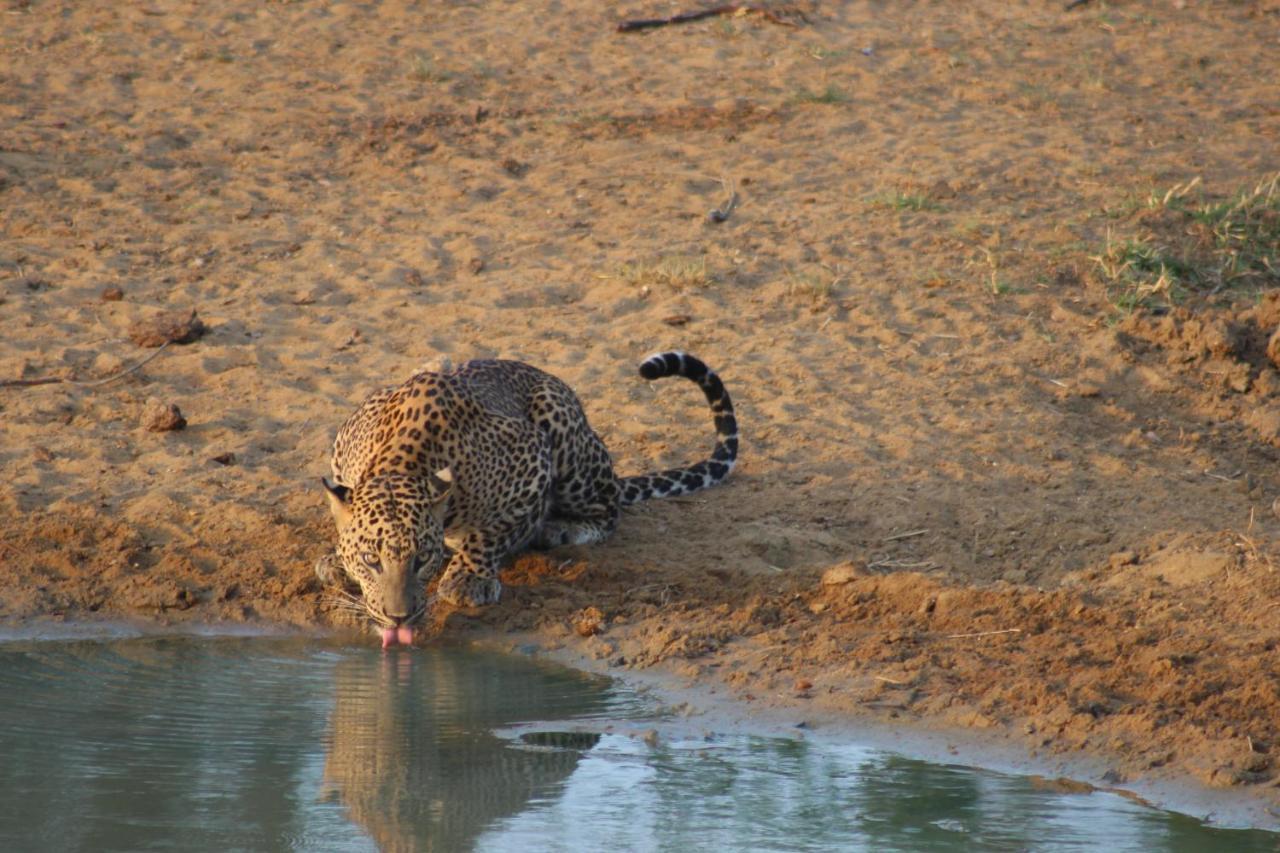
708 472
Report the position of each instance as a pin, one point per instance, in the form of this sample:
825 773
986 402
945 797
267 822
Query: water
300 744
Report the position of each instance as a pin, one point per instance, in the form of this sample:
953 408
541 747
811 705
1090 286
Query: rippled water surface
285 743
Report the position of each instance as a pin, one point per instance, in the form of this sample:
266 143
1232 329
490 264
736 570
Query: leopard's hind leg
586 499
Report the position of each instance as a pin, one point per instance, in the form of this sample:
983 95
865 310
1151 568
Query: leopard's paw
329 570
464 589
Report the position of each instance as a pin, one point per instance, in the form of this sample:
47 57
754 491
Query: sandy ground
972 491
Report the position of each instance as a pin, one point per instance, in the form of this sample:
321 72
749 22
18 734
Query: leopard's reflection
412 755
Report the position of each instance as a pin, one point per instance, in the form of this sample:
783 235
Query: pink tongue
402 635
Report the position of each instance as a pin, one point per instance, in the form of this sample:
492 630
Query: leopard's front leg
471 578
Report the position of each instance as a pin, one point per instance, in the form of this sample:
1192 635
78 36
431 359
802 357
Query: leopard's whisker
343 595
352 605
347 607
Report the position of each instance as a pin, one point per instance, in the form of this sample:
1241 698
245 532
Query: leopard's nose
398 619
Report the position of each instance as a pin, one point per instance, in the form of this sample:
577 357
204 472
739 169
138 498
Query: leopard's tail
708 472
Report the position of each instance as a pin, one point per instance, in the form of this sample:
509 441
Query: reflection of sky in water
292 744
743 793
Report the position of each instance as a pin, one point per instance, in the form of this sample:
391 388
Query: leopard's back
447 414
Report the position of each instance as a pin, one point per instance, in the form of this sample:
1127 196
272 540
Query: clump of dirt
1231 351
167 327
158 416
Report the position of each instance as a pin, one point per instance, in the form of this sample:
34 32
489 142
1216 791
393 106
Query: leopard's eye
370 559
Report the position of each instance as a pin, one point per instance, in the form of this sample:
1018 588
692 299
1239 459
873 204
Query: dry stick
686 17
985 633
907 535
97 382
901 564
54 380
26 383
888 680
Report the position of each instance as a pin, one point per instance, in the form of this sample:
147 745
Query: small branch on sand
27 383
55 380
902 564
907 535
985 634
686 17
1074 4
95 383
888 680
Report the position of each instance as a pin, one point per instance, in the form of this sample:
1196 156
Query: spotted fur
496 455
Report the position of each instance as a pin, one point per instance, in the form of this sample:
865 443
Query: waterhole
253 743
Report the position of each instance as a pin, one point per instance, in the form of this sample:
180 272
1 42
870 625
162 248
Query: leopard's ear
339 500
442 485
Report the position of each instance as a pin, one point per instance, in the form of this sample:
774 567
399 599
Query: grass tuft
1184 243
675 272
424 69
832 94
817 286
899 200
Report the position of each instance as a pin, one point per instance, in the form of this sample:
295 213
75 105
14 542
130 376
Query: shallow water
199 743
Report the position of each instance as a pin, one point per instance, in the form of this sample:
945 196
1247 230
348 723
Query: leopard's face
390 541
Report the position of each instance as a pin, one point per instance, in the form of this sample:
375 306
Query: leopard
446 475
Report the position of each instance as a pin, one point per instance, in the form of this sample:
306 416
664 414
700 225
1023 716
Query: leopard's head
390 540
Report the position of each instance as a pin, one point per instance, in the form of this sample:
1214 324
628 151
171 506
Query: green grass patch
1182 242
904 201
832 94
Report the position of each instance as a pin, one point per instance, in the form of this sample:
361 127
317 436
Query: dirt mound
1232 353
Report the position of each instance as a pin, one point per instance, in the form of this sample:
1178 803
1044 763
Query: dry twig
55 380
687 17
888 680
27 383
907 535
985 633
902 564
